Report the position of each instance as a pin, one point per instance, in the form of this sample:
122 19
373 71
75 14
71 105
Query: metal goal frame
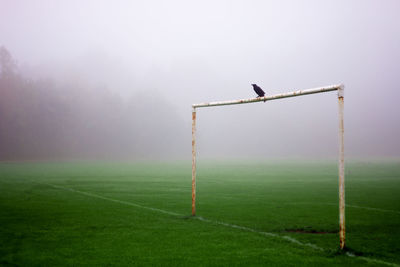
340 94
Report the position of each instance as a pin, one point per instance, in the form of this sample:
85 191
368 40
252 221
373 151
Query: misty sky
196 51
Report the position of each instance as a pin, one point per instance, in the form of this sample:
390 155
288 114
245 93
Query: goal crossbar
338 87
271 97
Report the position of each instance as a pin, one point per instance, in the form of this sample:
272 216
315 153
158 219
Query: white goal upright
339 88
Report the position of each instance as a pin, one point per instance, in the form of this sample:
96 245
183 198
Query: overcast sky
196 51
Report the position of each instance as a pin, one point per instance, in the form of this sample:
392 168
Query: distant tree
7 64
9 104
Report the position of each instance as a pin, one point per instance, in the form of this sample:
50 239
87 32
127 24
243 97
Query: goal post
338 87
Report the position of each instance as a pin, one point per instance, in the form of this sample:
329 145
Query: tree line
41 119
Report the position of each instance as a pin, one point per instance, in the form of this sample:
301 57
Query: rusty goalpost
340 94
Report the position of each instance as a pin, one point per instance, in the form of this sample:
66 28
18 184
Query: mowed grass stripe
243 228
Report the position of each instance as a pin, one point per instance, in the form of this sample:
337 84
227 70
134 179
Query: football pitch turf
250 214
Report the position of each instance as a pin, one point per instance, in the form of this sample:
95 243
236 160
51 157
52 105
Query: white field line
243 228
376 209
288 238
337 204
372 260
111 199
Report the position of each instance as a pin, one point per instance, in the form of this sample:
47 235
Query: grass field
265 213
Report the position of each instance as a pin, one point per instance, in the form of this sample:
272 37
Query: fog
116 79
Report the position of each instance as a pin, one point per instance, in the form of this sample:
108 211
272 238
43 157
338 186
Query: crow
258 90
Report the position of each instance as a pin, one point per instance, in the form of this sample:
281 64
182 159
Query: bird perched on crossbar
258 90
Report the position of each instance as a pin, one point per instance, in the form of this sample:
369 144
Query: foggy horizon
102 80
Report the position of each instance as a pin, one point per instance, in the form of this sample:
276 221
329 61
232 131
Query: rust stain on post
342 227
194 162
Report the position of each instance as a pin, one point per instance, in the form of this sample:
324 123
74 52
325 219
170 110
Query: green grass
43 223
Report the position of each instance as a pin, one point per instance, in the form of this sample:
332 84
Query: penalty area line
243 228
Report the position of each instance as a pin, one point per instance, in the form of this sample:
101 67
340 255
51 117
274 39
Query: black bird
258 90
